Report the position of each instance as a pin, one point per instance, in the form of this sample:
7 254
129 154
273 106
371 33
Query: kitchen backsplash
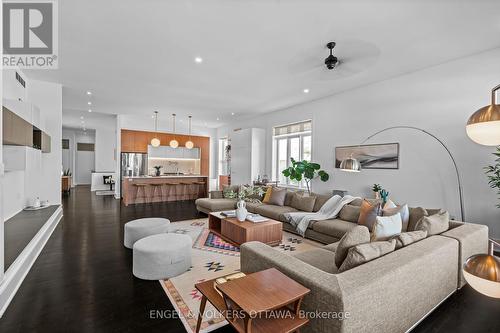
182 166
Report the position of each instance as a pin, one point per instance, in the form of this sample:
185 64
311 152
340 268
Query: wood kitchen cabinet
16 130
127 143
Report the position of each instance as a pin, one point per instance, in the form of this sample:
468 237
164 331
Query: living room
322 166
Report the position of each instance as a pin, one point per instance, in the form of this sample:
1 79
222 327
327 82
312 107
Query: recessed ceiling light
217 118
232 113
198 60
90 110
306 91
89 103
81 117
89 93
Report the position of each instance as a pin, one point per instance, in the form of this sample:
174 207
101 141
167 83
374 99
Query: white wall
439 99
82 163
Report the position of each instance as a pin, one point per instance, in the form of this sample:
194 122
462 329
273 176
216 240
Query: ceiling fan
351 57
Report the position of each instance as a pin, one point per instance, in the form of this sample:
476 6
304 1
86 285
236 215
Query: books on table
256 218
225 279
228 213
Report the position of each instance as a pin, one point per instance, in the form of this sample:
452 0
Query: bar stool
153 191
184 188
201 189
144 195
172 191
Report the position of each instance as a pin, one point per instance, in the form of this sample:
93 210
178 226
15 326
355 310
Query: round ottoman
161 256
137 229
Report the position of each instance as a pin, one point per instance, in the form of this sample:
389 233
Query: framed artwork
376 156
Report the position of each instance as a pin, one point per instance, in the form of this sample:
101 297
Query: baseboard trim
15 275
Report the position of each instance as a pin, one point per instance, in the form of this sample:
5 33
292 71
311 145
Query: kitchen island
148 189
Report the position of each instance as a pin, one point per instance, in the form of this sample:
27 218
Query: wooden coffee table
230 229
266 301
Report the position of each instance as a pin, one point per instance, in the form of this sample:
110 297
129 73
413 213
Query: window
291 141
223 157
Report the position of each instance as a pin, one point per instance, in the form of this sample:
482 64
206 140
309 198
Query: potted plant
307 171
158 172
493 173
376 189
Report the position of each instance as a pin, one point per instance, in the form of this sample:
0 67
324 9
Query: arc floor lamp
351 164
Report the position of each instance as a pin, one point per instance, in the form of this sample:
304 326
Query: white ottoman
137 229
162 256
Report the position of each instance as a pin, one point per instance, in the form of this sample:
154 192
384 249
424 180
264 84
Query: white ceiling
138 56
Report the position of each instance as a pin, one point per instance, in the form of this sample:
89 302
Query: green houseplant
307 171
493 173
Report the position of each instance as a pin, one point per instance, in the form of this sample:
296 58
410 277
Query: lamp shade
350 165
482 272
155 142
483 126
174 143
189 144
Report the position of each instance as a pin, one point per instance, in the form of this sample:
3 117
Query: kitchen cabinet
16 130
127 141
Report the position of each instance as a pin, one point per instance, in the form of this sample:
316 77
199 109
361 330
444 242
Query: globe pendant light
155 142
189 143
174 143
483 126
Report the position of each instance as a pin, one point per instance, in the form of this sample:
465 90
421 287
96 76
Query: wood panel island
147 189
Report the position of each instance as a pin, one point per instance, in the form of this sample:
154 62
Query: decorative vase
241 211
377 195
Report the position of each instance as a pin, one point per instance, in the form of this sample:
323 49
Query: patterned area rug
212 257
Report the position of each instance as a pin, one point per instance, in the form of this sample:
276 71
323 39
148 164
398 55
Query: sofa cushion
357 235
215 205
434 224
216 195
321 199
334 227
363 253
319 258
386 226
267 195
331 247
369 212
252 206
278 196
350 213
391 209
407 238
416 213
303 202
274 212
357 202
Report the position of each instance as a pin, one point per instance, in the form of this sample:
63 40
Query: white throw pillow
385 227
390 208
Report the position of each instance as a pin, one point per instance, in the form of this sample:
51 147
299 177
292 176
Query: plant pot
241 211
377 195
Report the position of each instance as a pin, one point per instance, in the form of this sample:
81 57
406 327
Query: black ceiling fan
331 61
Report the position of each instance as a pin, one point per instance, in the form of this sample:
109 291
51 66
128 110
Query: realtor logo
30 34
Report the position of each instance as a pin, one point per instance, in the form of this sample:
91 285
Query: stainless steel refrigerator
133 165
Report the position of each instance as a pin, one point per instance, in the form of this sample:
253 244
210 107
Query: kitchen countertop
165 176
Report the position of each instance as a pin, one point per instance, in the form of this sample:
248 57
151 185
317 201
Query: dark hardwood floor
82 280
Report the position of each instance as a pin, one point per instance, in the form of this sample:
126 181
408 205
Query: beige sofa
323 231
389 294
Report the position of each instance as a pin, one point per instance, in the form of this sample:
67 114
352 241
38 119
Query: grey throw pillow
278 196
407 238
303 202
363 253
417 213
357 235
434 224
321 199
350 213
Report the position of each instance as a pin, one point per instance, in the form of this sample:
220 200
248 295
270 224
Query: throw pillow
350 213
357 202
368 214
267 196
407 238
303 202
364 253
277 196
357 235
385 227
417 213
434 224
288 198
391 209
216 195
321 199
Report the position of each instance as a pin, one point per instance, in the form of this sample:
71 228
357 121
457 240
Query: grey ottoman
162 256
137 229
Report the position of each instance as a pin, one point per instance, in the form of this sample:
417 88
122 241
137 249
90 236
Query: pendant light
483 126
189 143
174 143
155 142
